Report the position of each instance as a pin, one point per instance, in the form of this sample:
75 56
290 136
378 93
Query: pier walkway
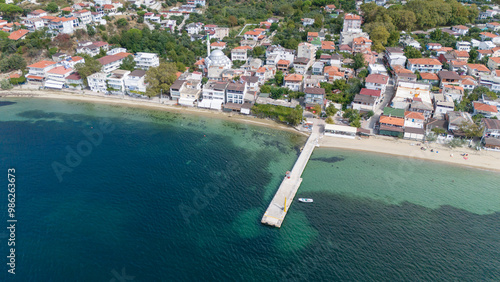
276 212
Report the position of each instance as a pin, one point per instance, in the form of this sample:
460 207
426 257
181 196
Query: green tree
14 62
359 61
278 77
121 22
473 54
160 78
258 51
5 84
52 7
471 129
412 52
90 30
379 35
90 66
233 21
265 89
331 110
128 63
296 115
329 120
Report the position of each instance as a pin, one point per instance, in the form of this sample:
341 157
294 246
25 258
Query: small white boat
305 200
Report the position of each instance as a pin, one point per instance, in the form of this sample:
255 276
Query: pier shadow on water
6 103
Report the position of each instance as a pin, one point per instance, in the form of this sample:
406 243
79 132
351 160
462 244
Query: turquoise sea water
157 196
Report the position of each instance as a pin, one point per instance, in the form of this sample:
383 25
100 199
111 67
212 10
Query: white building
218 59
113 83
97 82
294 82
92 49
112 62
214 95
62 25
235 92
352 22
37 14
134 82
407 92
377 82
424 65
463 46
306 50
146 60
38 71
194 28
275 53
56 77
33 24
239 53
84 16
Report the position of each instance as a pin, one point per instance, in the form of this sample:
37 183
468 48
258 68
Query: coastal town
361 68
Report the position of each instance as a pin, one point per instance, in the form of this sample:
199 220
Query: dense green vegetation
160 79
171 47
346 90
279 113
381 23
466 104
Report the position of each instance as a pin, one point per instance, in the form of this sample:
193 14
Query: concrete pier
276 212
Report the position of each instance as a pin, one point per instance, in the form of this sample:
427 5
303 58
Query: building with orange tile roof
327 46
112 62
38 71
18 34
477 69
37 14
487 35
486 110
294 82
424 65
352 22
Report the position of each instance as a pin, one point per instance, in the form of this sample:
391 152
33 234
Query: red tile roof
18 34
485 107
414 115
478 67
283 62
429 76
294 77
60 70
488 34
424 61
392 120
377 78
42 64
370 92
328 45
351 17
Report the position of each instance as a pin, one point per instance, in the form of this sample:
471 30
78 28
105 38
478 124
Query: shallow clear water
169 197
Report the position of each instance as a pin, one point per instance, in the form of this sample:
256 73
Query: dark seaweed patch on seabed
6 103
329 160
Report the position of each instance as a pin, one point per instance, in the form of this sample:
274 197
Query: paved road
389 93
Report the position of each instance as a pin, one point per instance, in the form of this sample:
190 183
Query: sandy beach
488 160
483 159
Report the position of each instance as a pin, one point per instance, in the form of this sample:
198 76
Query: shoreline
487 160
133 103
